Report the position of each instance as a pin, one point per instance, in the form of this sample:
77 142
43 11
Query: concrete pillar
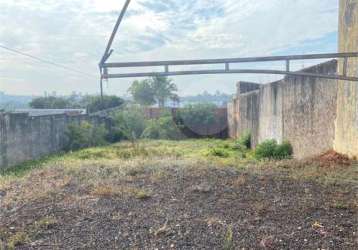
3 141
346 138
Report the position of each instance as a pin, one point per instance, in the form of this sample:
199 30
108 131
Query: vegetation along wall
24 137
346 139
299 109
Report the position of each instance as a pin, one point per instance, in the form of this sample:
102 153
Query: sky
74 33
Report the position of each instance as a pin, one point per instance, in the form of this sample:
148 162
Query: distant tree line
91 103
157 90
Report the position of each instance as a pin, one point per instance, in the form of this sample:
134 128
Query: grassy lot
193 194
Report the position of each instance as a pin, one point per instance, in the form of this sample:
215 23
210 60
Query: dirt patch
187 209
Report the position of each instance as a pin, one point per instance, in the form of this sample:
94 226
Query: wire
46 61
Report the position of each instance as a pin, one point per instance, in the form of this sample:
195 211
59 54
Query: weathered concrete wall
301 110
24 137
271 113
231 117
309 111
248 112
346 138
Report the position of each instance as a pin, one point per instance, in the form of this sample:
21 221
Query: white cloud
75 32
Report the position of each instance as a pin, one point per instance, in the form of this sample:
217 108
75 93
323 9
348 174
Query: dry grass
106 190
153 159
79 180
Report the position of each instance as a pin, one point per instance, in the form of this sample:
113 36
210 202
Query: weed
18 239
341 205
104 191
85 135
24 168
142 195
270 149
219 152
260 207
244 141
228 240
284 150
45 223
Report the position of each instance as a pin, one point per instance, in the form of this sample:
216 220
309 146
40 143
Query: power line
46 61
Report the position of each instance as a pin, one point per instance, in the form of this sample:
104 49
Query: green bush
219 152
85 135
129 123
270 149
198 114
199 118
162 128
244 140
97 103
284 150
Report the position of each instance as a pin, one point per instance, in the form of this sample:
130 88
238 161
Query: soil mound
332 158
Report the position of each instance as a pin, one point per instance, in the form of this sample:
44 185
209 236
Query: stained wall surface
299 109
346 138
24 137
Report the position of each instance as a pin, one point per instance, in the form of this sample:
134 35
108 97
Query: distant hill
10 102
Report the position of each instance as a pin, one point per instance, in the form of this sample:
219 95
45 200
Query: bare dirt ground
178 203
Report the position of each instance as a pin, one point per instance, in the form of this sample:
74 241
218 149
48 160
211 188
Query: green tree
50 102
142 92
95 103
157 89
164 89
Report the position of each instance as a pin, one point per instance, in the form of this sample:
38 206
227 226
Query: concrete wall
309 111
232 121
301 110
346 138
271 112
24 137
248 105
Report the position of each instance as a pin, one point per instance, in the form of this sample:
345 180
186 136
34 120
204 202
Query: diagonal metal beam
108 50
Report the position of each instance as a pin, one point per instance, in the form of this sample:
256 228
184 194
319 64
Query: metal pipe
232 71
228 60
107 52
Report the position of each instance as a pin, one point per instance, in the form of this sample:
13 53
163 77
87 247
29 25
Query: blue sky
74 33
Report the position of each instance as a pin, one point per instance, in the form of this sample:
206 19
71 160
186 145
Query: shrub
266 149
202 113
50 102
284 150
198 117
130 123
219 152
270 149
162 128
245 140
96 103
85 135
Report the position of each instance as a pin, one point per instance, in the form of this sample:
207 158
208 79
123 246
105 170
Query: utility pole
108 50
